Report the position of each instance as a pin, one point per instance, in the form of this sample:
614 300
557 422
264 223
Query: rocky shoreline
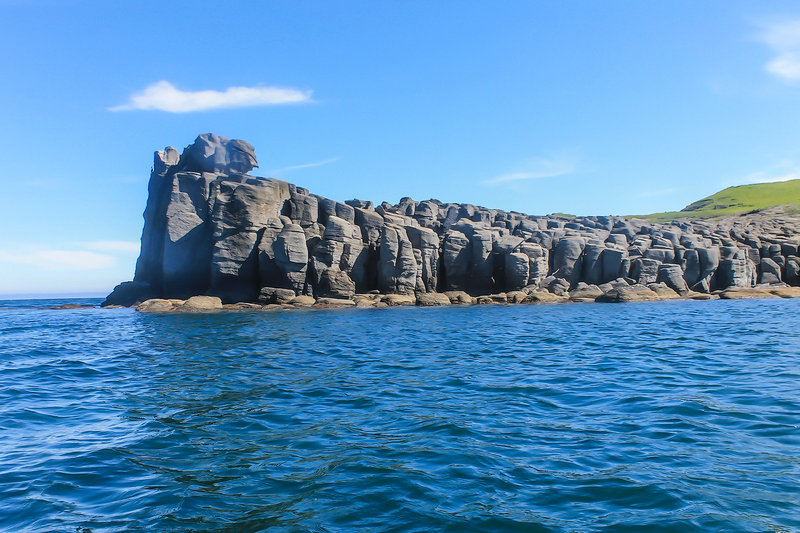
216 237
659 292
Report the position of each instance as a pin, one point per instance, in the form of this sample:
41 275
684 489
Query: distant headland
216 237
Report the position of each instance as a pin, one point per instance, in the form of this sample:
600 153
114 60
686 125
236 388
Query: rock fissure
212 229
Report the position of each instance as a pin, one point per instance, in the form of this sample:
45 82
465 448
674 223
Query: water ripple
667 417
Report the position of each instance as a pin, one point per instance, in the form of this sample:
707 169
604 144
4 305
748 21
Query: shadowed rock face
212 229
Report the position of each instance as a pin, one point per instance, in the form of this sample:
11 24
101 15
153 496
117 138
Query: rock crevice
210 228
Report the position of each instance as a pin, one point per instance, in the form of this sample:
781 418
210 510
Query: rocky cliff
210 228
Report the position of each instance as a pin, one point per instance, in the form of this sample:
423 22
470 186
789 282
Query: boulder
544 297
665 292
302 301
630 293
744 293
129 293
672 277
585 293
213 153
459 297
769 271
201 303
399 299
431 299
334 302
517 270
333 283
157 305
275 295
644 270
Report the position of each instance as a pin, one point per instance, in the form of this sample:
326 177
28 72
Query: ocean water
657 417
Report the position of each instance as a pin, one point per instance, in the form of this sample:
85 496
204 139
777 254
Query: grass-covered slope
738 200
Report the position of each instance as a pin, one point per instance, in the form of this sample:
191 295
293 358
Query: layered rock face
212 229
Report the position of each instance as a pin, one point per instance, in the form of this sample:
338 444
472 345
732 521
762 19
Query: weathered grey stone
212 229
187 244
557 286
397 266
517 270
212 153
615 263
481 265
538 262
275 295
644 270
792 270
303 209
734 270
593 263
291 257
130 293
567 259
691 267
456 255
149 266
661 254
585 293
770 272
425 243
672 277
709 262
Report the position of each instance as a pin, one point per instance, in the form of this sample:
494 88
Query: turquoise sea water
657 417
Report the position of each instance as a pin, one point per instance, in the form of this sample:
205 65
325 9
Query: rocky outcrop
211 228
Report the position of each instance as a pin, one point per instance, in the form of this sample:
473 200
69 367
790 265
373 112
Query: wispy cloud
782 171
122 247
58 259
79 256
537 168
284 170
783 37
163 96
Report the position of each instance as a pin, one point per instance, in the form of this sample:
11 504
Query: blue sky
583 107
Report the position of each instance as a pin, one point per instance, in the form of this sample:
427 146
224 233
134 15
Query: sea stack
211 228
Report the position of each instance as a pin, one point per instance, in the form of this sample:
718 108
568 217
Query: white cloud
304 165
783 37
537 168
58 259
123 247
163 96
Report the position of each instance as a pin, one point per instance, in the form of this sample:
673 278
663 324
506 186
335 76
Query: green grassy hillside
737 200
